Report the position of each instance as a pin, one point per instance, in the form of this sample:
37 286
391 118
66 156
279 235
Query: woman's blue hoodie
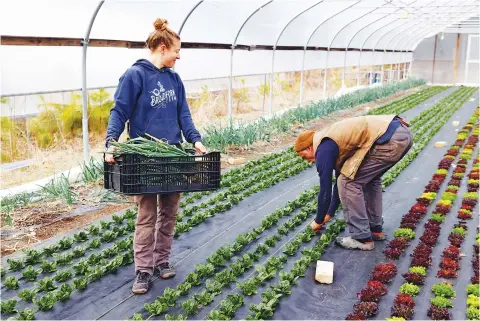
154 102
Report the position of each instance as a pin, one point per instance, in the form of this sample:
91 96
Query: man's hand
316 227
327 219
200 148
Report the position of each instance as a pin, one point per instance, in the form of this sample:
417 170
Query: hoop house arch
301 35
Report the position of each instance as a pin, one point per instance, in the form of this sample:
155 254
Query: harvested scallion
153 147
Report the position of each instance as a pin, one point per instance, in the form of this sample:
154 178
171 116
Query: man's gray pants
362 197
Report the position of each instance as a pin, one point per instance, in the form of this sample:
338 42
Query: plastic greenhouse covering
343 32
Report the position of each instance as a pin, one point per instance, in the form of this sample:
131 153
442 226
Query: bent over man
360 150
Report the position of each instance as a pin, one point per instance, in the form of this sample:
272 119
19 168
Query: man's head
304 145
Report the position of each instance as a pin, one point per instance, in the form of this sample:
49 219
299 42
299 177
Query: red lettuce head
378 286
475 280
444 209
451 252
459 170
410 218
469 202
455 182
433 222
433 186
464 216
456 239
453 152
414 278
405 300
384 272
474 175
445 163
393 253
399 243
436 313
430 240
449 264
439 178
419 208
472 188
368 309
412 226
369 294
424 261
433 226
422 250
447 274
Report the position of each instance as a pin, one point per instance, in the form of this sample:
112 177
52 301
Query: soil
42 220
51 227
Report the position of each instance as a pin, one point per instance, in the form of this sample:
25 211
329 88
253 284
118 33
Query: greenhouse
240 160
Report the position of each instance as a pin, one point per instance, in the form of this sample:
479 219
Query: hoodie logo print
161 97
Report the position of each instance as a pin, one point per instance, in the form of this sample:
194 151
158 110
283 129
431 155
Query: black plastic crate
134 174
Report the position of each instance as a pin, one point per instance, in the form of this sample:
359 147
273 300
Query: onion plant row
223 137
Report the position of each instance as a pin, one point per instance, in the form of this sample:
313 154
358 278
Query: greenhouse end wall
439 66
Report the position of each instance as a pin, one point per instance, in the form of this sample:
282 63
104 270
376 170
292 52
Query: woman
152 98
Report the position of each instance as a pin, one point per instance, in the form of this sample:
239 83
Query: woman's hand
109 155
200 148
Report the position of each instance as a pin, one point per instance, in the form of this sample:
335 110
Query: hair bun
160 24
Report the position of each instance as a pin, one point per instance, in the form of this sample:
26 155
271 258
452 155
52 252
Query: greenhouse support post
343 28
302 72
460 15
306 46
409 41
373 51
186 18
230 82
382 71
270 92
328 49
27 128
410 66
434 57
360 54
382 76
455 60
398 31
373 73
468 60
84 84
350 41
275 46
391 70
422 30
